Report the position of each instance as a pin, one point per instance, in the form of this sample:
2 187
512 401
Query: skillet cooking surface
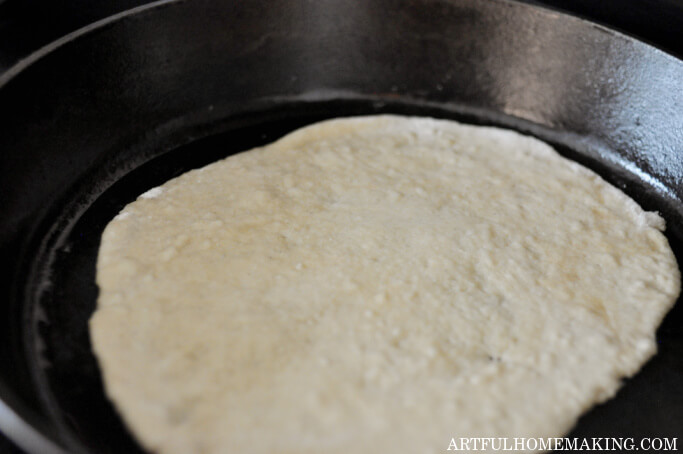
103 118
72 384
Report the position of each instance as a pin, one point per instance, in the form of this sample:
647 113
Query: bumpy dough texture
374 285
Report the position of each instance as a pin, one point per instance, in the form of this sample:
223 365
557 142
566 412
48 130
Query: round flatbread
373 285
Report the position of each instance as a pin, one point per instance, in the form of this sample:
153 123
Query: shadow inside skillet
650 404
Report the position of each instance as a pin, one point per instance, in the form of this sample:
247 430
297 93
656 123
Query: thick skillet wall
79 116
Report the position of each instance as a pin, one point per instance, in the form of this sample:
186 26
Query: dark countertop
26 25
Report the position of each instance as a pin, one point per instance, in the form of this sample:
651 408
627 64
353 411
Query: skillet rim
16 69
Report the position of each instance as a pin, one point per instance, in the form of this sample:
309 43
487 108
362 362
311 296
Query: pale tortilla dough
376 285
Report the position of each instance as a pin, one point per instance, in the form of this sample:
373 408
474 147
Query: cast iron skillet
100 116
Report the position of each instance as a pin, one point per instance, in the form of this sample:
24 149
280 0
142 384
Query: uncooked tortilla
376 285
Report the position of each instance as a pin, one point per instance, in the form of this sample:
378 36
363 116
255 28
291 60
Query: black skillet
90 121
